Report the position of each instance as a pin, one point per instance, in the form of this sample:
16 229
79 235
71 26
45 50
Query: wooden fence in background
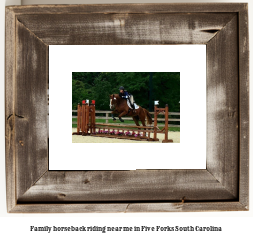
159 119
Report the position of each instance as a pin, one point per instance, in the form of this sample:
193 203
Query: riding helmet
121 88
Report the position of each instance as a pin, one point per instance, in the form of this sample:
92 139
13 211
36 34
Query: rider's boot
133 108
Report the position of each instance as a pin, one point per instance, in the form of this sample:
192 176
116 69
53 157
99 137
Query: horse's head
113 101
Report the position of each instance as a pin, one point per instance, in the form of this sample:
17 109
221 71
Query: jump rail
86 125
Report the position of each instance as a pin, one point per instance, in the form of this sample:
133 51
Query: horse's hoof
121 120
114 119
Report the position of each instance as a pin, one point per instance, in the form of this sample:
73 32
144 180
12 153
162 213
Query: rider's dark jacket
125 94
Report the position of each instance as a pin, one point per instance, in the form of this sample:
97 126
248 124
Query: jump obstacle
86 125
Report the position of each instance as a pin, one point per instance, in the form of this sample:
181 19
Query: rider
124 94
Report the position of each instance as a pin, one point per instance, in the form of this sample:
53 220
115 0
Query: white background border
189 60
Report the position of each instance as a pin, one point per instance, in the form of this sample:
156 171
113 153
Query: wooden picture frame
222 186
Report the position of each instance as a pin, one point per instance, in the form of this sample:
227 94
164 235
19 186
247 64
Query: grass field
125 122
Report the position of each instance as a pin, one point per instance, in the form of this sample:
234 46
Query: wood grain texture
9 109
222 107
129 207
129 8
139 185
244 106
118 29
223 186
186 207
30 109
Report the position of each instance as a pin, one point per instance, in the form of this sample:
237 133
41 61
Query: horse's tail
148 116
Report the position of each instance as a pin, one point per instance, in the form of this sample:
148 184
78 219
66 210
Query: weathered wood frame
222 186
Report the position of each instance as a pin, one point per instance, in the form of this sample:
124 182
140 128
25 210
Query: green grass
174 129
126 122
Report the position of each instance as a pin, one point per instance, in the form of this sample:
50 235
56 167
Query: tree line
145 87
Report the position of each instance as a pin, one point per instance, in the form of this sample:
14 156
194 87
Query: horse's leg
121 115
114 112
136 120
113 118
142 116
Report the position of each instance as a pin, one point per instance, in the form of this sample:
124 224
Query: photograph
125 107
109 102
127 73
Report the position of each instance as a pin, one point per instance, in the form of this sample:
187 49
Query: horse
120 107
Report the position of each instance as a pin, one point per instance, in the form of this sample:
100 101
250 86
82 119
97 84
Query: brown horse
120 107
